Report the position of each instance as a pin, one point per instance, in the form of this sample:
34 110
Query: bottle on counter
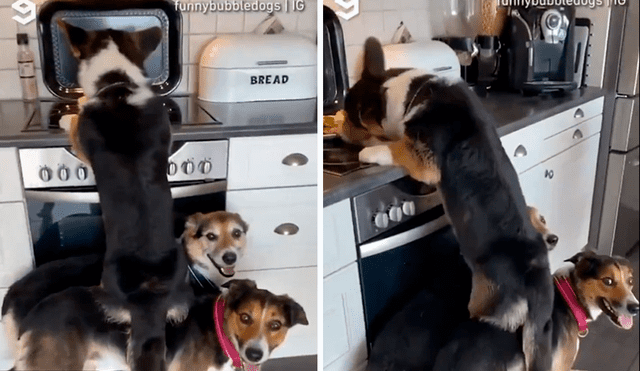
26 68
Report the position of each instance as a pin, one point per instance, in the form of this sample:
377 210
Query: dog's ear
373 59
193 225
237 290
147 40
77 37
243 224
586 263
294 312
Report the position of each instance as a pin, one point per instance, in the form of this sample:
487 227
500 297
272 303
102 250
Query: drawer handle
295 159
286 229
579 113
577 134
520 151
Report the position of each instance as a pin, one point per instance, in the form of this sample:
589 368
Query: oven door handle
93 198
404 238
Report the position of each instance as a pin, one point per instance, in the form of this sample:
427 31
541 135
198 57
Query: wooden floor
306 363
608 348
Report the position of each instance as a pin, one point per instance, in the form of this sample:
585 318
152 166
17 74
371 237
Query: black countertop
511 111
14 114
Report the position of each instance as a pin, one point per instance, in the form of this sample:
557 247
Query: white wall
198 30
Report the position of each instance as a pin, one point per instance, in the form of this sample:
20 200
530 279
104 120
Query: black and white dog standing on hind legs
446 137
125 134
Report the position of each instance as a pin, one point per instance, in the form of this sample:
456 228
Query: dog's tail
146 349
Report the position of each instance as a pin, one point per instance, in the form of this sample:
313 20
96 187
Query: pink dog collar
564 286
225 343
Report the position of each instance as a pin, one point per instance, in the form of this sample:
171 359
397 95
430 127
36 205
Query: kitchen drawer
10 181
16 257
570 137
282 226
564 120
301 284
338 240
272 161
525 147
343 321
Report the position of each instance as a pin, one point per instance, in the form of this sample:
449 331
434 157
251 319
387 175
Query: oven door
399 264
68 222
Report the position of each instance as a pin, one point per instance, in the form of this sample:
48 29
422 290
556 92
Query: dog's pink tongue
625 321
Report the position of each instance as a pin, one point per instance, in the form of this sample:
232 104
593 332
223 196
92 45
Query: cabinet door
301 284
10 182
344 333
282 226
16 257
339 245
562 189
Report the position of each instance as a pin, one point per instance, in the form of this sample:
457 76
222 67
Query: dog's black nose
229 258
633 309
253 354
552 239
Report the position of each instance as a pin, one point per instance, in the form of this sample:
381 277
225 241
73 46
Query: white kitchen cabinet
301 285
283 226
272 161
10 181
556 162
338 239
272 183
562 189
16 256
344 336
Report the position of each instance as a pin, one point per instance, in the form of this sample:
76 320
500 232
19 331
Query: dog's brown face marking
215 241
540 224
257 321
604 284
483 296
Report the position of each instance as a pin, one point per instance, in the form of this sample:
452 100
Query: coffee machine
538 56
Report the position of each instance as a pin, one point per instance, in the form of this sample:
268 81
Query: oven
64 208
403 237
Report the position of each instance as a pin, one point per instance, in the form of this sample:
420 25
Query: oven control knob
172 168
45 174
395 213
205 166
381 220
409 208
63 173
81 172
188 167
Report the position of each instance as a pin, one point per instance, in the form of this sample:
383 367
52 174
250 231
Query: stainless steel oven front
401 229
64 206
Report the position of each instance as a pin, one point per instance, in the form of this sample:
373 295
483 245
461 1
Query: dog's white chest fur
110 59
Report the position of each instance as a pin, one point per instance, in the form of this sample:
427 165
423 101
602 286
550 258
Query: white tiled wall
381 18
198 30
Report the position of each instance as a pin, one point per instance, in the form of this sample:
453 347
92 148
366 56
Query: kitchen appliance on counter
432 56
484 68
539 52
335 78
273 78
621 206
460 21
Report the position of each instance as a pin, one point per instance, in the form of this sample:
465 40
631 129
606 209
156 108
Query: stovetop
182 110
340 158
